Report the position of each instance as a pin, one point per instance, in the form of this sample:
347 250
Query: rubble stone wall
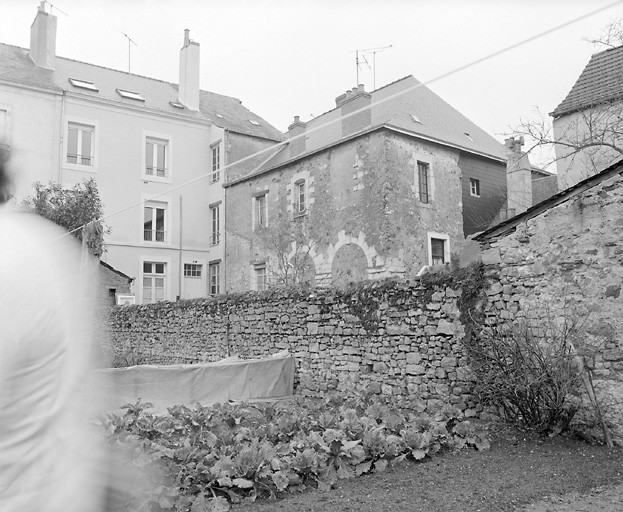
394 338
567 264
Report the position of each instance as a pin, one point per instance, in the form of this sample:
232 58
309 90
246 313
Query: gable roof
17 67
508 225
601 81
393 106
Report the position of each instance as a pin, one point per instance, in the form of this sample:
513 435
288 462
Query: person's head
5 181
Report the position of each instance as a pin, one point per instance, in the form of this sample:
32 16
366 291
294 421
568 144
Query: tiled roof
600 82
16 66
397 106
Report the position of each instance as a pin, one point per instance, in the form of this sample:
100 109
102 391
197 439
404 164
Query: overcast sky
287 57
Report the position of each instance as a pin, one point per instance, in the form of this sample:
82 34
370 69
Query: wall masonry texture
394 338
568 263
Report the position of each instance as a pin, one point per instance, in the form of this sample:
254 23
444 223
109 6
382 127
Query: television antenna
54 7
130 43
360 55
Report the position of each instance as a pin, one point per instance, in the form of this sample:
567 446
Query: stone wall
567 263
394 338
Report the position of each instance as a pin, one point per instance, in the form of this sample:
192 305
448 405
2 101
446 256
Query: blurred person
50 458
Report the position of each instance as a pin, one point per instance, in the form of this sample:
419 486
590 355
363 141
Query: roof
118 272
223 111
600 82
407 106
508 225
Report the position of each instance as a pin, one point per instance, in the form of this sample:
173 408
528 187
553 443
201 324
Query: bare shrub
530 371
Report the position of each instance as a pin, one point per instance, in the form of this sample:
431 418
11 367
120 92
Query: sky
294 57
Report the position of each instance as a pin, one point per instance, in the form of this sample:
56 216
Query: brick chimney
297 129
355 100
518 177
43 38
189 73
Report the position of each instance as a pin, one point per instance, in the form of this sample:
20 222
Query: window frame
260 199
214 289
166 141
257 267
215 172
215 224
192 274
474 187
93 127
446 247
166 262
299 184
424 189
160 202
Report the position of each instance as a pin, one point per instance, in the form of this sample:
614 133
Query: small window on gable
130 95
300 197
474 187
83 84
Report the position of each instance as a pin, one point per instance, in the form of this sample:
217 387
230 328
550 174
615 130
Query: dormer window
254 122
415 119
83 84
176 104
130 95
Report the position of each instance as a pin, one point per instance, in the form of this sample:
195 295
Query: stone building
382 185
589 119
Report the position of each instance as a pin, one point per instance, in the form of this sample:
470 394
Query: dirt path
513 476
601 499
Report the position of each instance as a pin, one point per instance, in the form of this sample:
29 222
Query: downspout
180 262
225 164
62 139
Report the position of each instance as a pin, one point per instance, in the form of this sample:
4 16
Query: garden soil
520 472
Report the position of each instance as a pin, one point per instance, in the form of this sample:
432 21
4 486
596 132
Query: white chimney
518 177
189 73
43 38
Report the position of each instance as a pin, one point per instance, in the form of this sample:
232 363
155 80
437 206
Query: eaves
57 91
259 172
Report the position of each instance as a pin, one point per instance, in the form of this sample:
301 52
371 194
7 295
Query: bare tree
611 37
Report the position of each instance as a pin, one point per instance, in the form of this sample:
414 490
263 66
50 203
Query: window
215 277
154 222
192 269
474 187
80 143
154 277
130 95
216 224
83 84
261 220
156 156
423 185
261 281
300 198
176 104
216 162
437 249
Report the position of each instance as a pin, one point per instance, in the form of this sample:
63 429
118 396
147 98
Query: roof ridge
122 72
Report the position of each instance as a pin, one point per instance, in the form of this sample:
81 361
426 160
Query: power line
280 145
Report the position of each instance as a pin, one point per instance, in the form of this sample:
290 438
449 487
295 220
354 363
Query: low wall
394 338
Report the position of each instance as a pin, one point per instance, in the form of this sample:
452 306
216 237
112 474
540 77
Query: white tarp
183 384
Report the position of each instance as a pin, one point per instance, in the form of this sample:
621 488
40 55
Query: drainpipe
62 139
180 265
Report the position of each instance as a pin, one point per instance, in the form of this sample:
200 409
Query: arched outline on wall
372 257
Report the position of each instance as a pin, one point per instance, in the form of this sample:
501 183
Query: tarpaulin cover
207 383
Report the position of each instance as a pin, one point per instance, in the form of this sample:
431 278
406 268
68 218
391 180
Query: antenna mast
54 7
130 43
363 53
